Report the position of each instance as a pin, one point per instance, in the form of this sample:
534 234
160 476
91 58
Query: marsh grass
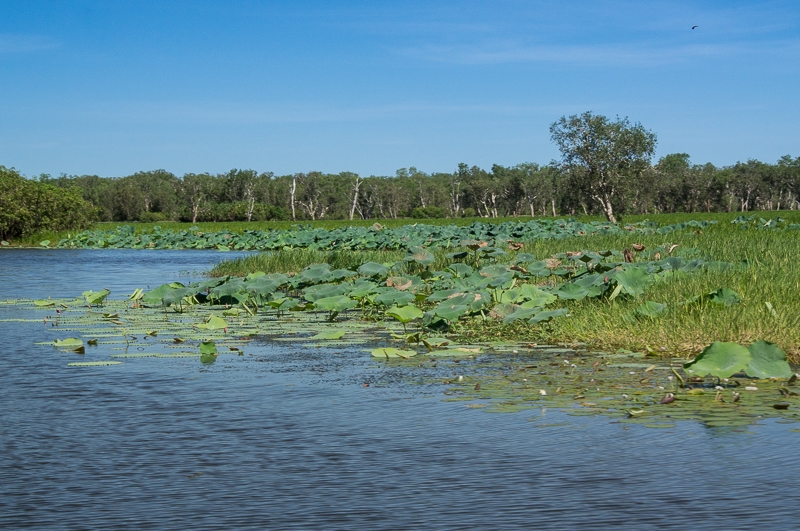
294 260
765 273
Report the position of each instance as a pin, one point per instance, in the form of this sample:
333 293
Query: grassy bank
769 286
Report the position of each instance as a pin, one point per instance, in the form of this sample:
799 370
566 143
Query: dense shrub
153 217
27 207
428 212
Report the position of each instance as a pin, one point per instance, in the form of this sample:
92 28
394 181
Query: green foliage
603 156
431 212
760 360
28 207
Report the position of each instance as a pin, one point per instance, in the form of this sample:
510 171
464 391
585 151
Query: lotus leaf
70 343
43 303
651 309
495 270
392 353
534 296
339 274
321 291
208 348
719 359
420 255
153 297
335 304
329 335
452 352
521 313
725 297
394 297
404 283
95 297
215 323
443 294
459 255
451 311
461 270
633 280
474 300
503 310
176 296
92 363
137 294
373 269
548 315
315 273
362 288
405 314
572 291
768 361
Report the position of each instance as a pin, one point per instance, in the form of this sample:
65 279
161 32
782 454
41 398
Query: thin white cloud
226 113
10 44
636 54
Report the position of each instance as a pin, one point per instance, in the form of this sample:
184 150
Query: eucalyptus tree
604 154
788 170
196 191
747 182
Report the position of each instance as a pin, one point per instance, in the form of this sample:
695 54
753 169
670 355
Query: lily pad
391 352
329 335
92 363
70 342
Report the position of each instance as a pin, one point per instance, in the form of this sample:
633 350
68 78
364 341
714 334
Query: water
272 444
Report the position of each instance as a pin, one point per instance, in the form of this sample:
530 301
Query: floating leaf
92 363
70 342
329 335
215 323
392 353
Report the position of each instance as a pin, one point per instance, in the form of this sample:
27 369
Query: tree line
606 168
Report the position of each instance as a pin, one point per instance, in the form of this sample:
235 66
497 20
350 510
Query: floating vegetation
417 236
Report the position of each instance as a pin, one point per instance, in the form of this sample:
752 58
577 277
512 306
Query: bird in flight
693 27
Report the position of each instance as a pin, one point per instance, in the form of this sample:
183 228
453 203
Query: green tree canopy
604 156
27 206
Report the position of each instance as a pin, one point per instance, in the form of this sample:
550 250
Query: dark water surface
249 444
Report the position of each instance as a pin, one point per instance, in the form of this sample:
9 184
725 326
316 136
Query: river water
243 444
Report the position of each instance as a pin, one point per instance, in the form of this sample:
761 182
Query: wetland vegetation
650 322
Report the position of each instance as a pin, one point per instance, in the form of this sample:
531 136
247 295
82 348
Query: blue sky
111 88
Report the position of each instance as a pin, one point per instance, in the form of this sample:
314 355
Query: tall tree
604 154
